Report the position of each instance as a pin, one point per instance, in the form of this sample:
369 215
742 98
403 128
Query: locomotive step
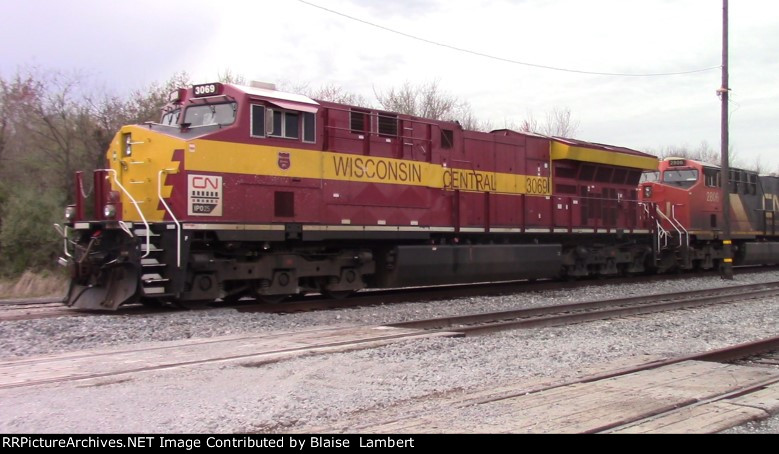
143 232
157 291
152 248
153 278
151 263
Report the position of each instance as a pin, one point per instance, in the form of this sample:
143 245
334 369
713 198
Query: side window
258 121
286 124
291 125
309 127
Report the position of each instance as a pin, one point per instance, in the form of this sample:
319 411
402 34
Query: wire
506 60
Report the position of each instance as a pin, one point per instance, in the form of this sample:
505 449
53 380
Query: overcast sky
125 45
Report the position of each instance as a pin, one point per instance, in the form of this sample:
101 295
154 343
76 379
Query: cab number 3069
207 89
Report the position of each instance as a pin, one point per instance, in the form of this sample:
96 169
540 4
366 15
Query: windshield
681 177
171 118
210 114
649 177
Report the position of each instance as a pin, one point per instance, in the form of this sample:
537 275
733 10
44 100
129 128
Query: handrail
63 231
137 208
670 222
372 133
686 233
170 211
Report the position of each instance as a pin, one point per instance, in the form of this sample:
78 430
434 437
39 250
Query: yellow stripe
727 260
564 151
727 242
245 159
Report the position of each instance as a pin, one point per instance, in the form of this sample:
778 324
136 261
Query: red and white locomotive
685 198
252 191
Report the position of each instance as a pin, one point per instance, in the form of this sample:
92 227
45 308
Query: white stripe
274 227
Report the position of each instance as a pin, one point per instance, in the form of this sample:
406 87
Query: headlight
109 211
70 213
647 192
128 144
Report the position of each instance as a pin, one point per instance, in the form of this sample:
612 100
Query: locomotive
247 190
685 199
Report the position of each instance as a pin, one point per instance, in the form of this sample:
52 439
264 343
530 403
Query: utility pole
726 268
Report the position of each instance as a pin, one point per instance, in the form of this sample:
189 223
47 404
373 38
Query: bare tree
427 100
705 153
229 77
558 122
335 93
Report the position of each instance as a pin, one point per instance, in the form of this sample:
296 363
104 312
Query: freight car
247 190
684 197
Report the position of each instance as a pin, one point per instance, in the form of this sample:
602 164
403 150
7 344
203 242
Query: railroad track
261 349
696 393
593 310
11 310
252 350
33 310
425 294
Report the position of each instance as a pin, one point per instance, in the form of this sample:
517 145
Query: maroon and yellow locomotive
249 190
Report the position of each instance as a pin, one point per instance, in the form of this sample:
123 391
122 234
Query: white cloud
136 43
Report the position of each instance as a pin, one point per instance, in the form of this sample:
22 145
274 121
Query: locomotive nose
650 191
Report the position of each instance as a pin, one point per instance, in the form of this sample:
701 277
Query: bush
27 238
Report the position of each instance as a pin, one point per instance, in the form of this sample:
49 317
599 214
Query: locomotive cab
686 196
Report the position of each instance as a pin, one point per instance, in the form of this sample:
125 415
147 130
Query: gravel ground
322 390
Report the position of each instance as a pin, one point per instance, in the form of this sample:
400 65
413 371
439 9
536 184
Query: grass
35 284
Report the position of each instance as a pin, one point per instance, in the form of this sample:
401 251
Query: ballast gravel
311 393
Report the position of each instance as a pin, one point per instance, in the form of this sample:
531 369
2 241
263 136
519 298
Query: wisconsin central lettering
377 169
469 180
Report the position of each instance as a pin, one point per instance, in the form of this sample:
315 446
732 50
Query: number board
677 162
207 89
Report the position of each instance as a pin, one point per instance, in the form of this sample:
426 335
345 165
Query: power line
505 60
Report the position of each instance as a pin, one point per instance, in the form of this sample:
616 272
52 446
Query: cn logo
204 195
284 160
203 182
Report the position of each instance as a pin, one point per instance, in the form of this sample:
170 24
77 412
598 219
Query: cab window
680 177
648 177
210 114
170 118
